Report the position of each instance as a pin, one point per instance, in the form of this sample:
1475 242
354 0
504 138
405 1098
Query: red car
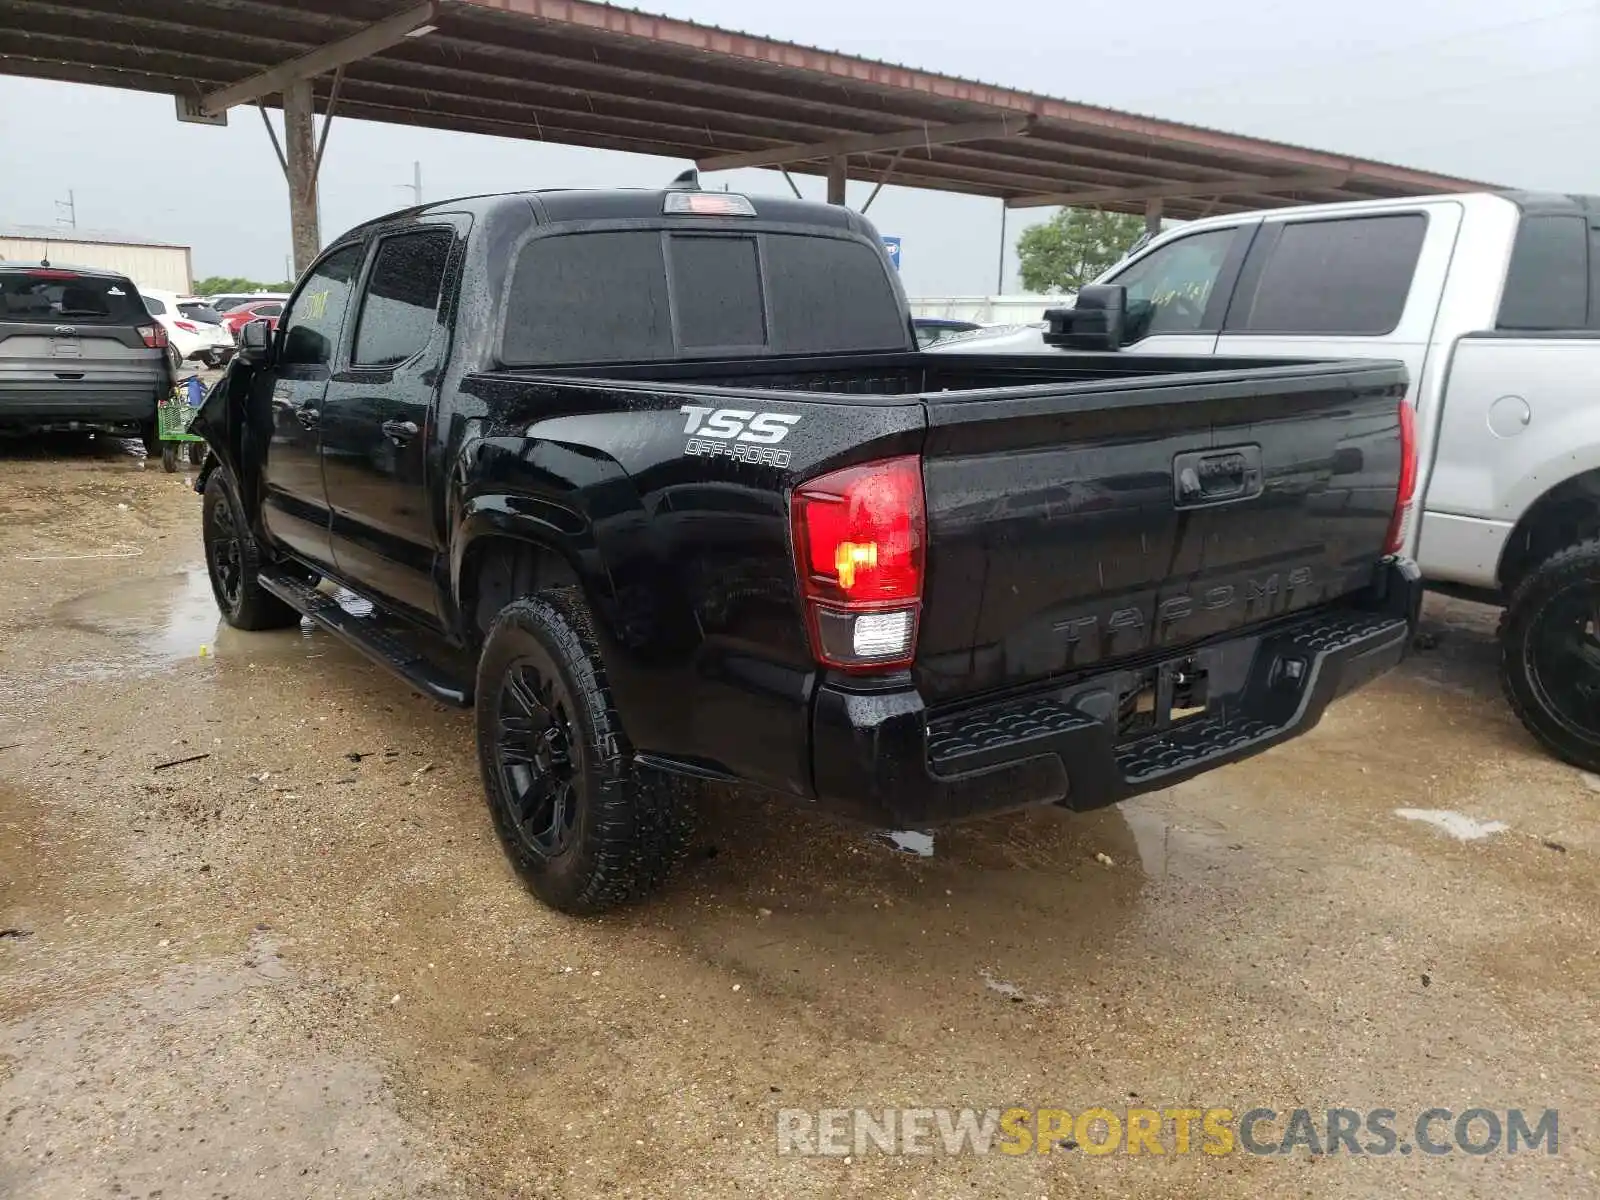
235 318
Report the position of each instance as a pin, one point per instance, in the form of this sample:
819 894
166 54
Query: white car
194 329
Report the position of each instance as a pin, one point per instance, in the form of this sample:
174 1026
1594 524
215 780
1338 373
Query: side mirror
255 342
1095 323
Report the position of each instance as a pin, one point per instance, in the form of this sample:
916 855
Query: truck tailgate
1073 526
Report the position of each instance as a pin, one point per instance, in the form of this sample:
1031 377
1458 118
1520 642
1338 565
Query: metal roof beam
908 139
1252 184
374 39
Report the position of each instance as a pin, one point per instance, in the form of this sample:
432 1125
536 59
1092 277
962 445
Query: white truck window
1169 289
1547 285
1344 276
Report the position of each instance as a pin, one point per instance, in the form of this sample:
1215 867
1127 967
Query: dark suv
78 351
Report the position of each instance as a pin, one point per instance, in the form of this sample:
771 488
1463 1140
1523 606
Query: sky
1472 88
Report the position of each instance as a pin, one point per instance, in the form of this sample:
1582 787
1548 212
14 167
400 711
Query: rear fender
550 528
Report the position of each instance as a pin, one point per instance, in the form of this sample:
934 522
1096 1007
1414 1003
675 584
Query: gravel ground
298 964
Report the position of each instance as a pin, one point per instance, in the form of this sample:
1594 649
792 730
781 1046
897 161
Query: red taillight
155 336
1408 479
187 326
858 541
50 273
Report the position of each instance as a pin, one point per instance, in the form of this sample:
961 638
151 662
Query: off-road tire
630 825
245 604
1560 733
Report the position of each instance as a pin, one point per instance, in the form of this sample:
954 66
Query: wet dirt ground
257 939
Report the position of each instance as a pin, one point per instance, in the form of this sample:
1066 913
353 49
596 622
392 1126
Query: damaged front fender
235 420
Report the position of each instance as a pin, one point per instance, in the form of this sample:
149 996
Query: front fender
237 432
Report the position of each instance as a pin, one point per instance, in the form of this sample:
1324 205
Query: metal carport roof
590 74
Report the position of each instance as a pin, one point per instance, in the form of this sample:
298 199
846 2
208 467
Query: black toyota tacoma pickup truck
660 483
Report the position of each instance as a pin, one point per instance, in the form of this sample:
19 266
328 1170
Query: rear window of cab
642 295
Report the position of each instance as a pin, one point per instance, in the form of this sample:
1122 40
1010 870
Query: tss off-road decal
737 433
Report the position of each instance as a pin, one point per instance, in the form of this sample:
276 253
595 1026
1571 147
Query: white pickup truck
1493 303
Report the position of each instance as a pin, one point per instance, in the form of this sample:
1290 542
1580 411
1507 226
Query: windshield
52 297
201 312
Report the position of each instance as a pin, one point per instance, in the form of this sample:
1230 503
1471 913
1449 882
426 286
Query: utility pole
415 186
1000 273
69 206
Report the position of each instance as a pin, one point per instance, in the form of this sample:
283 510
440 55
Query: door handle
399 432
307 416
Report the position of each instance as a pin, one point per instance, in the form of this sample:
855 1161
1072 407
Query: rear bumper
26 403
880 756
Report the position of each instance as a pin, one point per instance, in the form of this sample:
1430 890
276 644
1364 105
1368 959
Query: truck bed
1060 540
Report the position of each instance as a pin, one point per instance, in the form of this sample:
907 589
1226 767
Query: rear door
1178 292
294 501
1362 285
377 422
1354 285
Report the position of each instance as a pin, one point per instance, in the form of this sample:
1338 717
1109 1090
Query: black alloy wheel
1550 654
534 753
225 555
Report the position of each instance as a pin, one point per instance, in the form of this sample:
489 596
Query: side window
312 327
1169 289
1346 276
401 301
154 307
269 310
1547 284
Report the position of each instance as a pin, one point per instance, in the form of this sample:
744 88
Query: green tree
213 285
1074 247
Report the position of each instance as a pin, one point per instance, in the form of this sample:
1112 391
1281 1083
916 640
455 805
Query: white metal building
154 264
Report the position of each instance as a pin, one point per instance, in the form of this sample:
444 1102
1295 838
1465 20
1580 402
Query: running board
380 635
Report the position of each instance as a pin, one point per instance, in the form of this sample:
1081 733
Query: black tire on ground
584 827
197 453
169 456
174 359
150 435
233 560
1550 654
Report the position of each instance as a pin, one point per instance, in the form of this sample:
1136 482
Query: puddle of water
1457 825
167 619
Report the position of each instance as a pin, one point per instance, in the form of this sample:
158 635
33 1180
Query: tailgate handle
1203 477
